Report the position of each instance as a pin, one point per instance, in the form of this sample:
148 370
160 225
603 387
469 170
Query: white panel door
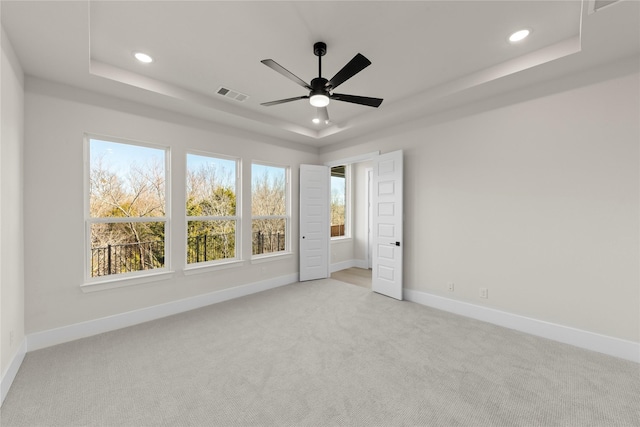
314 222
387 224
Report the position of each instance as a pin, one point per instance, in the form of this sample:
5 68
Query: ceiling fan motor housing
319 86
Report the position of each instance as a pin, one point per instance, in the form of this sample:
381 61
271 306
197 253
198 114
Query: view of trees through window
126 208
269 214
338 201
211 208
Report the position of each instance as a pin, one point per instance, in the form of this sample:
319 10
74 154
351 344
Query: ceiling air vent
596 5
233 94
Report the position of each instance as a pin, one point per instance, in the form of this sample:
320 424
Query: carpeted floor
321 353
355 276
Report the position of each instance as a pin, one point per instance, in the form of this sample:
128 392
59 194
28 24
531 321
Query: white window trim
132 279
206 267
91 284
287 217
218 263
273 256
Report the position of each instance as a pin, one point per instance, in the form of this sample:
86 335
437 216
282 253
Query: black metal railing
209 247
267 242
126 257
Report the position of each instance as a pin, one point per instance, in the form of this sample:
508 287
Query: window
127 208
269 209
212 221
338 201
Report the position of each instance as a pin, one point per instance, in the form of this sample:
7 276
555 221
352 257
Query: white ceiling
426 55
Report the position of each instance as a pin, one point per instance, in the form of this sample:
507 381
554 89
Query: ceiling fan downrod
319 50
319 95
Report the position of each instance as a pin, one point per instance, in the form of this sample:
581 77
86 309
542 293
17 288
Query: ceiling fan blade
362 100
323 115
353 67
288 74
282 101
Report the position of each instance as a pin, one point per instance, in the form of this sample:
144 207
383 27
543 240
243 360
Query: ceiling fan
321 89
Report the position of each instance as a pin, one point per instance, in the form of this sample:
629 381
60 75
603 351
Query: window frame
347 202
134 277
225 262
287 216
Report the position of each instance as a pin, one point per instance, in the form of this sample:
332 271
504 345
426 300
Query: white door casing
314 222
369 220
387 224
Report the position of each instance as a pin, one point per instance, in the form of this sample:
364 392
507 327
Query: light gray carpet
355 276
320 353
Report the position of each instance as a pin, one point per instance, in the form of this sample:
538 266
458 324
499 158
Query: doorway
354 276
352 256
382 237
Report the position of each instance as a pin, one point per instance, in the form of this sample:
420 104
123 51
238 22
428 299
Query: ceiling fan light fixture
319 100
519 35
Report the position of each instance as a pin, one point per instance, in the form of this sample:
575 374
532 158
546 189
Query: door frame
368 173
349 161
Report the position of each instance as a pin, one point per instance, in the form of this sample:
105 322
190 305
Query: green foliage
207 197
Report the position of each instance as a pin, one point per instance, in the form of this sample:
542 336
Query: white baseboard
616 347
76 331
343 265
12 370
361 263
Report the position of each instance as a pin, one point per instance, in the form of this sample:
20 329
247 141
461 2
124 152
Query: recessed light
315 120
519 35
143 57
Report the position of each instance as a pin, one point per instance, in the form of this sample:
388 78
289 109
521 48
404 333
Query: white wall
11 208
341 253
56 119
533 195
359 175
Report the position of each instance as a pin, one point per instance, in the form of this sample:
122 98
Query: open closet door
314 222
387 225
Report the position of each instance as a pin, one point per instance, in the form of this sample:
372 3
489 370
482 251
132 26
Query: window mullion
212 218
120 220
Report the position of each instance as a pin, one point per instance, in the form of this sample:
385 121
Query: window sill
340 238
121 282
271 257
199 269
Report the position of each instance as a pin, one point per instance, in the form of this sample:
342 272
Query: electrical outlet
484 293
451 286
